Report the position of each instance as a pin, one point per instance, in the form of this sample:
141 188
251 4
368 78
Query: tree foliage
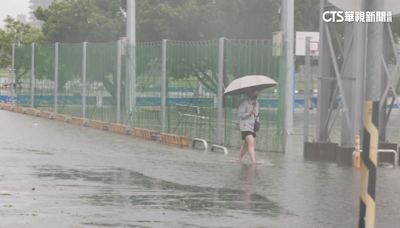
82 20
18 33
103 20
206 19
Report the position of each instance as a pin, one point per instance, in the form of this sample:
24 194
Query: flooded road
58 175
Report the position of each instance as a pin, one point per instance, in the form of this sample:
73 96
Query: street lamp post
131 65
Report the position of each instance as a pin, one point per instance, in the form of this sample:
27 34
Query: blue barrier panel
146 101
8 99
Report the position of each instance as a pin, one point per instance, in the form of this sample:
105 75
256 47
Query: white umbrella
249 82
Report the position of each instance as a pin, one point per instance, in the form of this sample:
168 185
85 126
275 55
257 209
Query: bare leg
243 151
250 141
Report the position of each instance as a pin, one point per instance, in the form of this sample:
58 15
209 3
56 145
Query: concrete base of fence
184 142
32 112
61 117
119 129
97 124
78 121
143 133
47 115
7 107
18 109
174 140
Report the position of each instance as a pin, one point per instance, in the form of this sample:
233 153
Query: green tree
103 20
174 19
206 19
82 20
33 5
243 19
5 49
18 33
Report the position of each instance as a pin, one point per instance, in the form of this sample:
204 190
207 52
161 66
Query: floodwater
58 175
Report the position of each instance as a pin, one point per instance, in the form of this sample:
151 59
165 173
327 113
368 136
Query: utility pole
307 76
131 61
287 27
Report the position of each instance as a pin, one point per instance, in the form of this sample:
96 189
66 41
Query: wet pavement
58 175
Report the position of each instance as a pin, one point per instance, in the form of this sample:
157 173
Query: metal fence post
131 84
287 18
84 79
307 74
131 70
12 75
13 58
119 62
132 94
56 77
220 95
164 86
33 76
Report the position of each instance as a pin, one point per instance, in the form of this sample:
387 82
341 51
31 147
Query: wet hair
251 92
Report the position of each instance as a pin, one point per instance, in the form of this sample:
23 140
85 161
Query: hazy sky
13 8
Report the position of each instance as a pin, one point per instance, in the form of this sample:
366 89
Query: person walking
248 116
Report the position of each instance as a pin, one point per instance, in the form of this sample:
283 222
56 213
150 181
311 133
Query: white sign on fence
301 43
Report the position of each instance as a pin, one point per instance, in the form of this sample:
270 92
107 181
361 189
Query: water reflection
247 176
118 186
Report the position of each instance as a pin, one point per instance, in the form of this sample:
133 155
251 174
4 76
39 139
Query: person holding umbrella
249 109
248 115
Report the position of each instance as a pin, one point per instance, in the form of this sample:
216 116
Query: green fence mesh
192 85
69 81
192 80
101 78
44 77
148 85
23 57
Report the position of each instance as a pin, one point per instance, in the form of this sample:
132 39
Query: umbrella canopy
249 82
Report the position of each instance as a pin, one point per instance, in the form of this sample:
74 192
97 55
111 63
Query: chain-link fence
169 86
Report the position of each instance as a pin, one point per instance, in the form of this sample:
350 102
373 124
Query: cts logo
333 16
